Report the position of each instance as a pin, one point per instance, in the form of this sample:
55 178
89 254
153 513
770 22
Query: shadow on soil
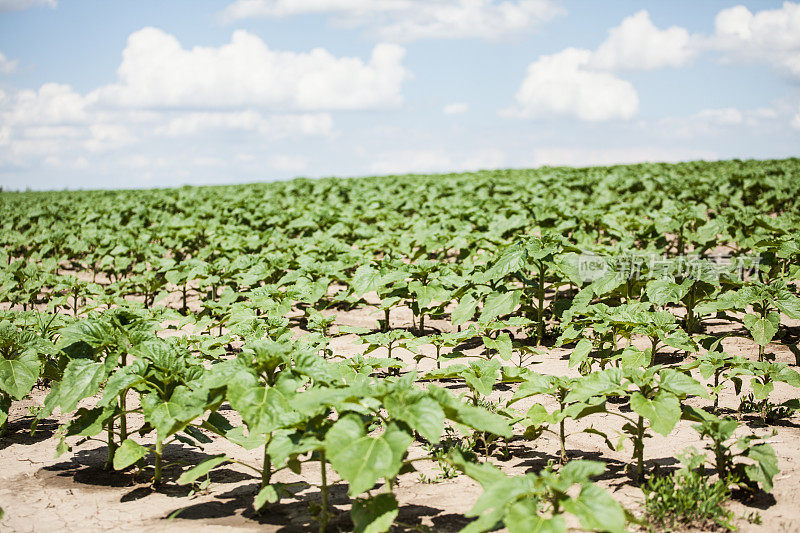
87 467
19 432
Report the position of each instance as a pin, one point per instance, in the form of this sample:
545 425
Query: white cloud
407 20
288 163
435 160
637 44
7 66
18 5
713 121
563 84
456 108
796 120
770 36
571 156
156 71
271 126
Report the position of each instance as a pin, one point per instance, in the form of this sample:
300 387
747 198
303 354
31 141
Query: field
605 349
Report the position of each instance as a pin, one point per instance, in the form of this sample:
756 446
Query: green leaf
762 329
18 376
266 495
171 416
682 384
366 279
502 344
597 510
5 407
82 379
427 417
511 261
361 462
498 304
580 353
663 411
664 291
128 453
375 514
761 390
522 517
202 469
766 466
465 310
89 422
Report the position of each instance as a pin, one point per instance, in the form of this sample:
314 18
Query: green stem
266 471
540 310
638 449
112 446
158 452
323 513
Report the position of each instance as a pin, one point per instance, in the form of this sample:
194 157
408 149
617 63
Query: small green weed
686 498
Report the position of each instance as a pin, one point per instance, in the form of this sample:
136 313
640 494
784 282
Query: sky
119 94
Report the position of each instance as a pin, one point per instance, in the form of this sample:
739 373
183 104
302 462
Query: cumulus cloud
19 5
7 66
572 156
456 108
415 161
408 20
156 71
770 36
564 84
712 121
637 44
796 120
274 126
288 163
240 95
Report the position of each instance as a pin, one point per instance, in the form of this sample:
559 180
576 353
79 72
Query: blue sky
107 93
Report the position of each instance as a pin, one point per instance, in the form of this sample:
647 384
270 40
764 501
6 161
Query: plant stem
112 446
540 310
323 513
266 471
638 449
158 452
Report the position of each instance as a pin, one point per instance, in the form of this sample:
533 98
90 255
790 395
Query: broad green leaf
597 510
498 304
128 453
266 495
762 329
375 514
502 344
427 417
682 384
171 416
580 353
663 291
18 376
511 261
465 310
361 462
82 379
766 466
522 517
202 469
663 411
